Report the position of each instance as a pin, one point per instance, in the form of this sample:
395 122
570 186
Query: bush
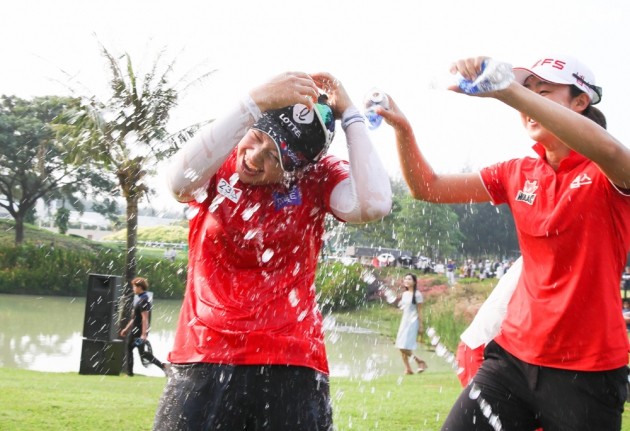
35 270
340 287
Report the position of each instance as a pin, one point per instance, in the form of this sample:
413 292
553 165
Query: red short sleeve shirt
250 297
574 232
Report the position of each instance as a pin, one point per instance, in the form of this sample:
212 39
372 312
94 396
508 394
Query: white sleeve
194 164
487 323
366 195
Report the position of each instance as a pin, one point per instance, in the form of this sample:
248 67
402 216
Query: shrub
340 287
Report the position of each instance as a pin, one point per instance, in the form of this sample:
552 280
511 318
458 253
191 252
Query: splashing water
249 212
250 234
486 409
216 202
267 255
200 195
390 296
191 212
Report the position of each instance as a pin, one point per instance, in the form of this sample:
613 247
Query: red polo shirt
574 231
250 297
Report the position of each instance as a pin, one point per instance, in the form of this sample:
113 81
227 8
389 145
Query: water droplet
293 298
250 234
200 195
249 212
441 350
191 212
369 277
474 392
267 255
390 296
216 202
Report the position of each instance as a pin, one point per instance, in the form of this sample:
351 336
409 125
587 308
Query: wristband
351 115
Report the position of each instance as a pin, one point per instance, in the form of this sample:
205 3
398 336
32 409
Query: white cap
562 70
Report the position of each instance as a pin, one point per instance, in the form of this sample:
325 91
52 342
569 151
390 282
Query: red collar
569 162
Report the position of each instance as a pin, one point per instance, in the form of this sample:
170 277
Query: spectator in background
138 328
410 325
450 272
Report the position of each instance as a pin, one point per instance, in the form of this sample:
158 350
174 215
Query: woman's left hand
338 98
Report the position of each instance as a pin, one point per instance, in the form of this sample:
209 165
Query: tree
127 135
32 160
416 226
62 217
431 229
488 230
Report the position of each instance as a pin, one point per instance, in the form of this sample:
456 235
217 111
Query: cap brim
522 73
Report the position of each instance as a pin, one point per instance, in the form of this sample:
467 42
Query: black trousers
510 395
238 398
145 355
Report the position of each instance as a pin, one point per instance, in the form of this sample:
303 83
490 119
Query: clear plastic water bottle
374 98
494 76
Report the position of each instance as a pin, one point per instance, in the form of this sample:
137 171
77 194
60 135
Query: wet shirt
140 304
250 295
574 235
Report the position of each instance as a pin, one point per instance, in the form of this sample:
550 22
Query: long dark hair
590 112
415 286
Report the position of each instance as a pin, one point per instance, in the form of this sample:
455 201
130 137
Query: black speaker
102 357
101 307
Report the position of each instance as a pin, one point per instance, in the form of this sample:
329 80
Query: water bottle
374 98
494 76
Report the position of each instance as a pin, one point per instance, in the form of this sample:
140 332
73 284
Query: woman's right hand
393 116
286 89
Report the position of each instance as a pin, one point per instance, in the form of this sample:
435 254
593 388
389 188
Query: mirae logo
528 194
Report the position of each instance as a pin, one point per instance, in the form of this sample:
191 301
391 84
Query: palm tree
127 135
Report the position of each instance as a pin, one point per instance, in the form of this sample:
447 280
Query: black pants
145 355
237 398
510 395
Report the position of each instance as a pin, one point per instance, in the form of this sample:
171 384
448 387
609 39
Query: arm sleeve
190 170
492 178
366 194
487 323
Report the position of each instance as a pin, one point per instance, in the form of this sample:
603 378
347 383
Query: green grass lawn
32 400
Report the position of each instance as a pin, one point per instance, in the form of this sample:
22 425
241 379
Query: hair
415 286
590 112
142 283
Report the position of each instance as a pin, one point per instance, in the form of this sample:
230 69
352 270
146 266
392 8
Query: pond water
45 334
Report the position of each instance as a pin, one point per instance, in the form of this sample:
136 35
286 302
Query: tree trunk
19 230
130 261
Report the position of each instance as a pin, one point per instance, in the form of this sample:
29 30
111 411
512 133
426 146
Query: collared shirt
250 295
574 234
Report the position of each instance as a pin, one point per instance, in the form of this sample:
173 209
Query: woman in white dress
411 305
